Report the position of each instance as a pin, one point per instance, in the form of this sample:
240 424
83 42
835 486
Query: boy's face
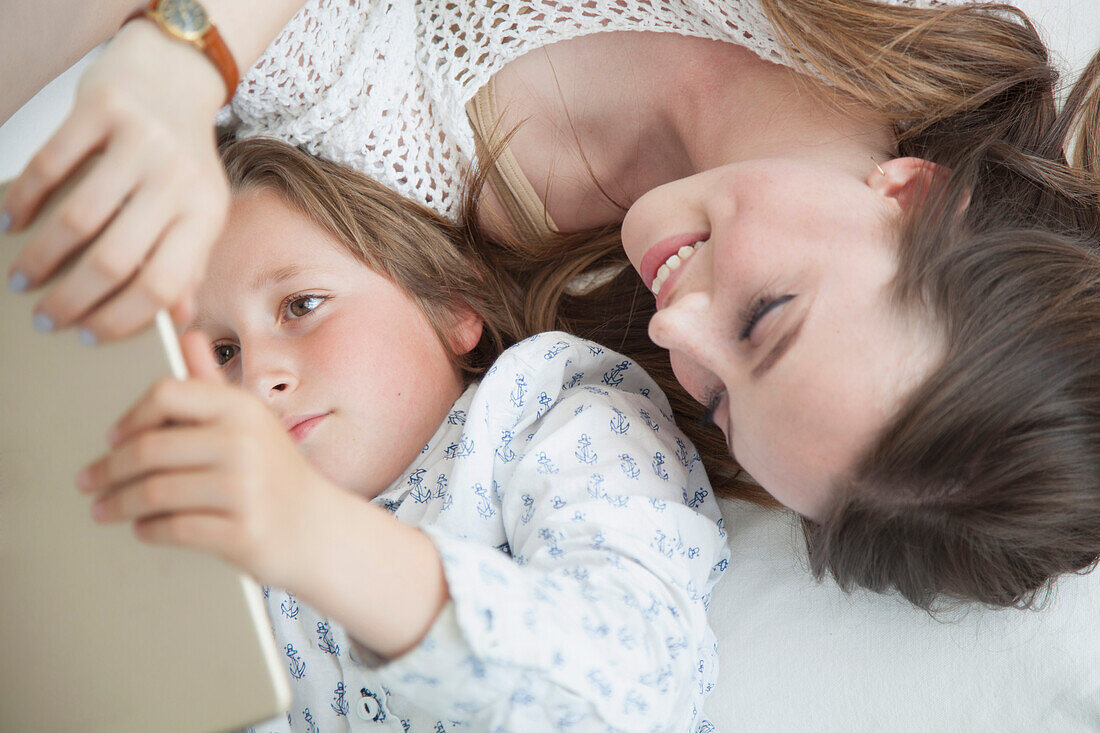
343 356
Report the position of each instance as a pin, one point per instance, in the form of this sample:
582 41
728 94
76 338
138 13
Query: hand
203 464
145 215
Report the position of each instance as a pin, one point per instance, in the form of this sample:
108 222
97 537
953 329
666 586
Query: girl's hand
144 217
204 464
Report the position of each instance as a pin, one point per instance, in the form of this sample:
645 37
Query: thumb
199 358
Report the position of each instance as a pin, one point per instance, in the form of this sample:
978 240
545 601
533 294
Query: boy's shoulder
551 367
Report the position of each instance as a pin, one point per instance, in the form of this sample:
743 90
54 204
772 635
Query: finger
184 310
103 187
162 493
168 448
199 357
203 531
164 278
80 134
169 400
111 260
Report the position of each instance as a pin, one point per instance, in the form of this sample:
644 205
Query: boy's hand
204 464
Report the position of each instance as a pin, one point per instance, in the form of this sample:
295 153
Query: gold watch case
184 19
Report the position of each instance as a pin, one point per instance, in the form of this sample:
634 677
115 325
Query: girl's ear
907 180
466 331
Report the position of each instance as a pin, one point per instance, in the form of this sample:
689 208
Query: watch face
187 16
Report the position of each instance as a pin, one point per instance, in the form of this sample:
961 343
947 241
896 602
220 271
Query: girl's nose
266 372
685 326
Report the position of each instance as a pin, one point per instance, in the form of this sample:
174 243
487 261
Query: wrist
165 61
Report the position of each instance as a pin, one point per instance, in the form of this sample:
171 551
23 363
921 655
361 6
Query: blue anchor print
557 348
573 381
551 539
419 493
594 350
659 466
518 396
545 403
584 452
528 508
456 417
324 634
635 703
289 607
461 449
595 486
614 376
441 486
297 667
484 506
649 421
308 717
598 540
504 450
546 466
619 424
600 683
339 702
682 453
644 391
629 466
658 504
266 590
698 498
557 502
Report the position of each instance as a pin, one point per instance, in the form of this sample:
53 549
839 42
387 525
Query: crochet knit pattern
381 85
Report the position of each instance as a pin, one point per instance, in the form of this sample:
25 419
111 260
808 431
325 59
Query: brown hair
986 484
433 260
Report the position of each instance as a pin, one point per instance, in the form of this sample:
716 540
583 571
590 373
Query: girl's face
342 355
782 321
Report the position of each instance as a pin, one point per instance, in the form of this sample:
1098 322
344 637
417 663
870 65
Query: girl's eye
303 305
759 308
224 353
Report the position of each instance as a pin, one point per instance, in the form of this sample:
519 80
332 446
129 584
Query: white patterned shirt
580 542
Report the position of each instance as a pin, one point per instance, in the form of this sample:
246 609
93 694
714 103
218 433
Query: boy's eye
223 353
303 305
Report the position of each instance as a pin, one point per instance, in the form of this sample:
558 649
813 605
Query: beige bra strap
524 207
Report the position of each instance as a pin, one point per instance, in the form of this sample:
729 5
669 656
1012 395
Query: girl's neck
615 115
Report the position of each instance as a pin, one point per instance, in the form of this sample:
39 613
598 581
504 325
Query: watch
188 21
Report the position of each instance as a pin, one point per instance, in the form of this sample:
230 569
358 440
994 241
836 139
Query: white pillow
798 655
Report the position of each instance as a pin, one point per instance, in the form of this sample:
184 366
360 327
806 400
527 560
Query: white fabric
580 542
801 656
388 80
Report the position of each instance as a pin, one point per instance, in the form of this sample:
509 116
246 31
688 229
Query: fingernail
43 323
18 282
5 222
88 338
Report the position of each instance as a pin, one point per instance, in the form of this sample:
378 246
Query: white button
368 708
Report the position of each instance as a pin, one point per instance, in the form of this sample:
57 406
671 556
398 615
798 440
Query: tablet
99 631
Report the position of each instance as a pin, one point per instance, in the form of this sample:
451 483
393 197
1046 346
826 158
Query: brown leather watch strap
211 44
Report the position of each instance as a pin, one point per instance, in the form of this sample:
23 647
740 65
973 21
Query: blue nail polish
88 338
5 221
43 323
18 282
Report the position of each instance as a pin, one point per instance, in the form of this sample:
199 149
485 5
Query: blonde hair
433 260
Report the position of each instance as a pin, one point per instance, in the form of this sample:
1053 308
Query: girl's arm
157 199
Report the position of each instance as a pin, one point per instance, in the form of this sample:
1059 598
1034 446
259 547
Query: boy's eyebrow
274 277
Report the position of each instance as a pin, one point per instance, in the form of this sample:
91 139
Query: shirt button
369 708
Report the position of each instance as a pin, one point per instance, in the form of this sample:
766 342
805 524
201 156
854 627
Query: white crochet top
382 85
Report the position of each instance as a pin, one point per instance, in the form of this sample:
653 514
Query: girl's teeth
674 261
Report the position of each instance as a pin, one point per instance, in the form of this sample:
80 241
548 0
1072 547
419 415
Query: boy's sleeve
598 617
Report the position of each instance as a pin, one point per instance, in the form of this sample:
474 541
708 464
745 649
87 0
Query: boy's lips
299 426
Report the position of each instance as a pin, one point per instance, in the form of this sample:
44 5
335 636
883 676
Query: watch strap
211 44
